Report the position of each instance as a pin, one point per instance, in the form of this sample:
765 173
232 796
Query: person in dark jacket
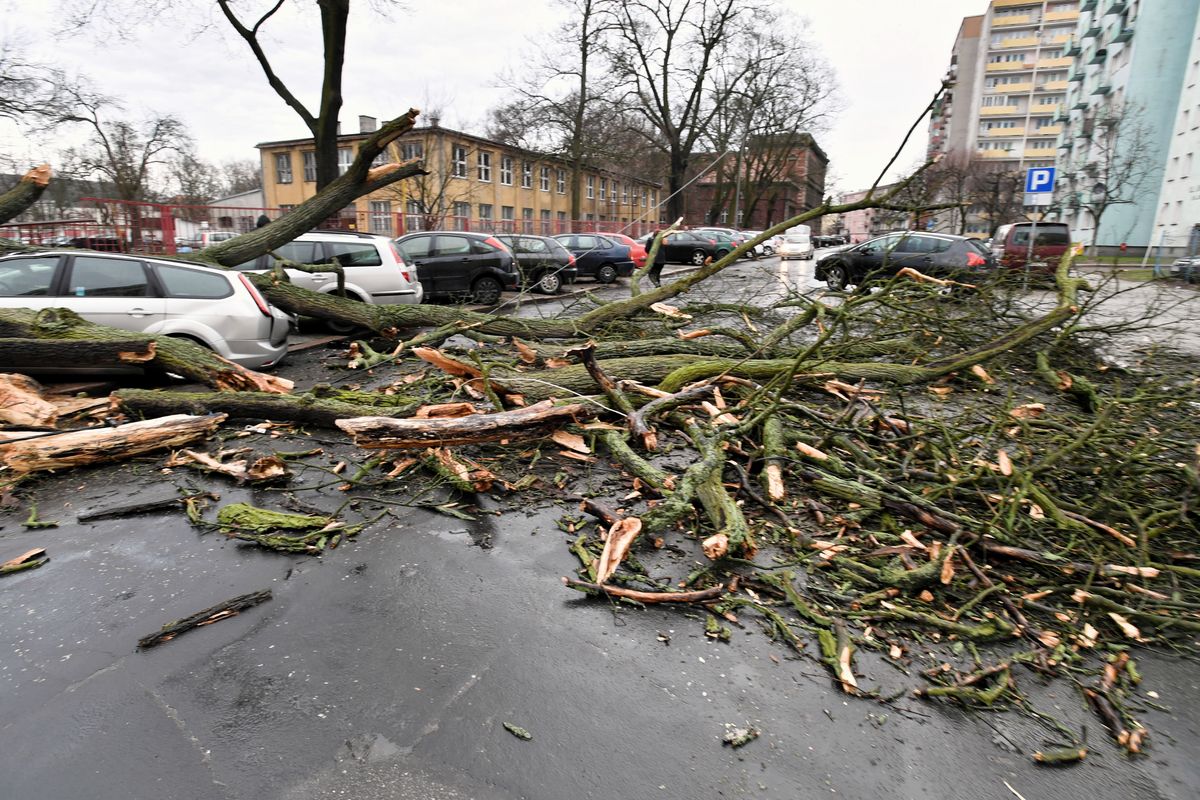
263 220
660 259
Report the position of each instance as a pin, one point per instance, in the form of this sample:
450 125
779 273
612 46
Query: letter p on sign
1039 179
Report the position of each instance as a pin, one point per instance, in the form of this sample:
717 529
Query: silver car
374 270
216 308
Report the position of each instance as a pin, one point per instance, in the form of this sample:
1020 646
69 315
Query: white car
219 309
796 244
374 271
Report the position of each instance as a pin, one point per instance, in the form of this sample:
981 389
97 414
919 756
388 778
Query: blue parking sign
1039 179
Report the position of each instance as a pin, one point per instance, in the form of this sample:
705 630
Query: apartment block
474 183
1130 123
1177 220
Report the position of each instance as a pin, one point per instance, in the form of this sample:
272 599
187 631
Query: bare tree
31 94
1115 167
665 53
123 153
240 175
435 197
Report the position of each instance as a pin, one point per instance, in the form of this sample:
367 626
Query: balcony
1116 7
1099 58
1087 5
1065 144
1011 88
1019 41
1061 16
1075 77
1014 3
1124 36
1048 130
1080 106
1010 66
991 154
1093 32
1055 63
1014 21
1102 88
1052 86
993 133
1073 49
1040 152
1062 116
1000 111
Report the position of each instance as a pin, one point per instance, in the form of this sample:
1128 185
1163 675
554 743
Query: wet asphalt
388 667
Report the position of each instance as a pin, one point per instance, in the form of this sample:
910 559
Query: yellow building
473 184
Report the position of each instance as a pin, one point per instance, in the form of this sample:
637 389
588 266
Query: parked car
105 244
372 268
796 243
688 247
931 253
598 256
1010 245
637 250
456 264
1187 269
764 248
544 263
219 309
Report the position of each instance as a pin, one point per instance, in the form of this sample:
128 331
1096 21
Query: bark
179 356
208 616
407 434
19 353
697 596
25 193
100 445
307 409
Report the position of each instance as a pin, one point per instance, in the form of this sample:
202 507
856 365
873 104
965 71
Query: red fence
129 226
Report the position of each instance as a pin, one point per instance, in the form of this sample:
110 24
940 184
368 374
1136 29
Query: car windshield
1050 235
796 238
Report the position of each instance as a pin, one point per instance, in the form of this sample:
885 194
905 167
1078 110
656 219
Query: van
1010 245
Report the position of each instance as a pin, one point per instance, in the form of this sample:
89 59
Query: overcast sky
888 56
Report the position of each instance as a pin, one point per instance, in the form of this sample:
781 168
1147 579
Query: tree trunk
17 354
334 16
307 409
100 445
170 354
25 193
407 434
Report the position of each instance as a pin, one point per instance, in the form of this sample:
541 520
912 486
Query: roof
441 130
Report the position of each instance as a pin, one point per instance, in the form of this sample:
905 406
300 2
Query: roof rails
344 232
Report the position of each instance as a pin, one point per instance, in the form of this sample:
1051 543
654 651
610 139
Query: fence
137 227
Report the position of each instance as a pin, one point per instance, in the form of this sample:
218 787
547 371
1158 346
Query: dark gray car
884 256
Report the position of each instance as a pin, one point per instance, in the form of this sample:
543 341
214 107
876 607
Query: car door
303 253
678 246
454 263
113 291
360 262
869 256
417 251
584 250
912 250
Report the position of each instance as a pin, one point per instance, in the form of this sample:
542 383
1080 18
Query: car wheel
768 251
549 283
607 273
835 277
486 291
722 253
337 326
698 258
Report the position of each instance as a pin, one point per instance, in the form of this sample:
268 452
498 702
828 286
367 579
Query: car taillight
258 298
400 262
975 260
496 243
712 241
571 260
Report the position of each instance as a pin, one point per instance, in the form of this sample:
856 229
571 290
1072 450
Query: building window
545 179
506 165
283 167
591 187
345 159
484 163
526 220
560 181
411 150
310 165
485 212
383 158
462 216
508 219
545 214
381 217
458 161
643 197
562 221
625 193
604 188
526 175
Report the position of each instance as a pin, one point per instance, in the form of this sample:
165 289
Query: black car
545 264
597 256
692 247
457 264
931 253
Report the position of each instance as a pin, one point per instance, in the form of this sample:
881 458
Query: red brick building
781 176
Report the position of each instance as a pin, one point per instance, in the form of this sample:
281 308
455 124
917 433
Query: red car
637 250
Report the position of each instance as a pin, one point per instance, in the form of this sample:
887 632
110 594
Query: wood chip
1028 411
981 373
571 441
1004 463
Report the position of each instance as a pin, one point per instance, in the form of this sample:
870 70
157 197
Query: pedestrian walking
660 258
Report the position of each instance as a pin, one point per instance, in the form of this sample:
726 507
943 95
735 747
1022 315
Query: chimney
434 119
339 128
366 124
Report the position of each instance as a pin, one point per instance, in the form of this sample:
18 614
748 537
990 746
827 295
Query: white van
796 243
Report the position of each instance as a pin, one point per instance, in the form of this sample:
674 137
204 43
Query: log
305 409
230 608
385 433
100 445
171 354
25 193
18 354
